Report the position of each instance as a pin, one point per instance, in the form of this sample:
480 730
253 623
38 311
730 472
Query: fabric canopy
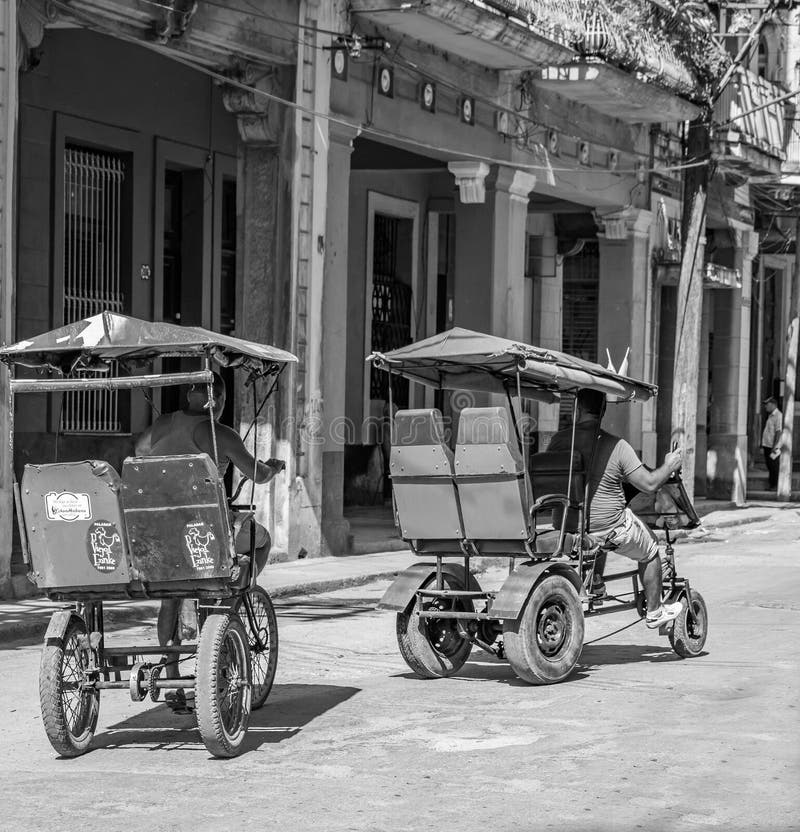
112 337
461 359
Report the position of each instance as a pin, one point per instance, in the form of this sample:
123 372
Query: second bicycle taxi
490 497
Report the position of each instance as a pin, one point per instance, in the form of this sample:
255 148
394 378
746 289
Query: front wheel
261 623
434 647
69 707
688 634
222 685
543 644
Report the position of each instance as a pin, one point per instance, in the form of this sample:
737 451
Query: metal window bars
93 183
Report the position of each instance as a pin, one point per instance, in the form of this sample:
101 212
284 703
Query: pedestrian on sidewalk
771 440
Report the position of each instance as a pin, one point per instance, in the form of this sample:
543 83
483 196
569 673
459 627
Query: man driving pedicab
188 431
613 463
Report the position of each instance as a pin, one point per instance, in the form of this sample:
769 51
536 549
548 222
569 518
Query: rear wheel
543 644
688 634
222 685
434 647
69 710
262 635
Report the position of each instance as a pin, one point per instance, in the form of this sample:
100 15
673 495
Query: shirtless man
188 431
611 521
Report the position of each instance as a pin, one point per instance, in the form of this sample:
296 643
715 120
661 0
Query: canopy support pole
61 385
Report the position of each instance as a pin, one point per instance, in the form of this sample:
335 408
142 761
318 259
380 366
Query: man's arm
144 443
651 481
230 445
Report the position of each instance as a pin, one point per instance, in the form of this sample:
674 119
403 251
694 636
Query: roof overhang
615 93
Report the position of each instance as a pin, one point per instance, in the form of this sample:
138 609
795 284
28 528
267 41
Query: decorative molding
258 117
518 184
32 17
471 180
619 225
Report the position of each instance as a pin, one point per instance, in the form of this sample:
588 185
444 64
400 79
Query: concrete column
8 143
624 317
318 525
490 256
508 190
730 367
546 323
264 288
703 394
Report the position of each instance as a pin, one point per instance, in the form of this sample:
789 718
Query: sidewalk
28 618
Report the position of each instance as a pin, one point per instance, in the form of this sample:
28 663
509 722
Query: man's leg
636 541
773 468
168 632
650 575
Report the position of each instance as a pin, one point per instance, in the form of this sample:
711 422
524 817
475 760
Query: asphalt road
350 740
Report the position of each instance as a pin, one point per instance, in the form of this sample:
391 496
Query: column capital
470 177
258 115
624 222
342 133
517 183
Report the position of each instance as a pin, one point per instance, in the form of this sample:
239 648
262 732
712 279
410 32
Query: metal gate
391 308
93 183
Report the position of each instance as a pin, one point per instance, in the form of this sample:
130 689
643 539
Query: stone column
730 367
318 525
508 191
703 393
8 143
546 322
624 314
264 287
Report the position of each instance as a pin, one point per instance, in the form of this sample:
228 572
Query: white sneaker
665 613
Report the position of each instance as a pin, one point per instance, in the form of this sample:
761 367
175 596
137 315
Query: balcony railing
747 117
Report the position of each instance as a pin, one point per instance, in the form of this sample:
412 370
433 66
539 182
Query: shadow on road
287 711
597 655
306 610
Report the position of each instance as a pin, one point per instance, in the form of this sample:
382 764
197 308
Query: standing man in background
771 440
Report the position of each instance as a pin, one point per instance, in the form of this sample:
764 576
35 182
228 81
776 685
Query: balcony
498 35
621 58
752 136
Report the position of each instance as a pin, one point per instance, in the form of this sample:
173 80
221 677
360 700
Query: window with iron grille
93 202
580 309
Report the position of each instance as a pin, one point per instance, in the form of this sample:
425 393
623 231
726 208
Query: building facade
336 178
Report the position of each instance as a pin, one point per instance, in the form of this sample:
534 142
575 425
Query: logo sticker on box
198 538
104 546
67 506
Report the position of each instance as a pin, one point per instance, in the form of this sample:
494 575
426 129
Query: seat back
490 476
550 474
177 519
421 467
75 528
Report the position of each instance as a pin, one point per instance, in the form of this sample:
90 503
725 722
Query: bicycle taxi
489 497
160 528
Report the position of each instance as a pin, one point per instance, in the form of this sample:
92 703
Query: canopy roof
112 337
460 359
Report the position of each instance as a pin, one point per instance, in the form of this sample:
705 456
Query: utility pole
790 379
690 283
690 304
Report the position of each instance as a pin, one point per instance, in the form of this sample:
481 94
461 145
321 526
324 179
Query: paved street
636 739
